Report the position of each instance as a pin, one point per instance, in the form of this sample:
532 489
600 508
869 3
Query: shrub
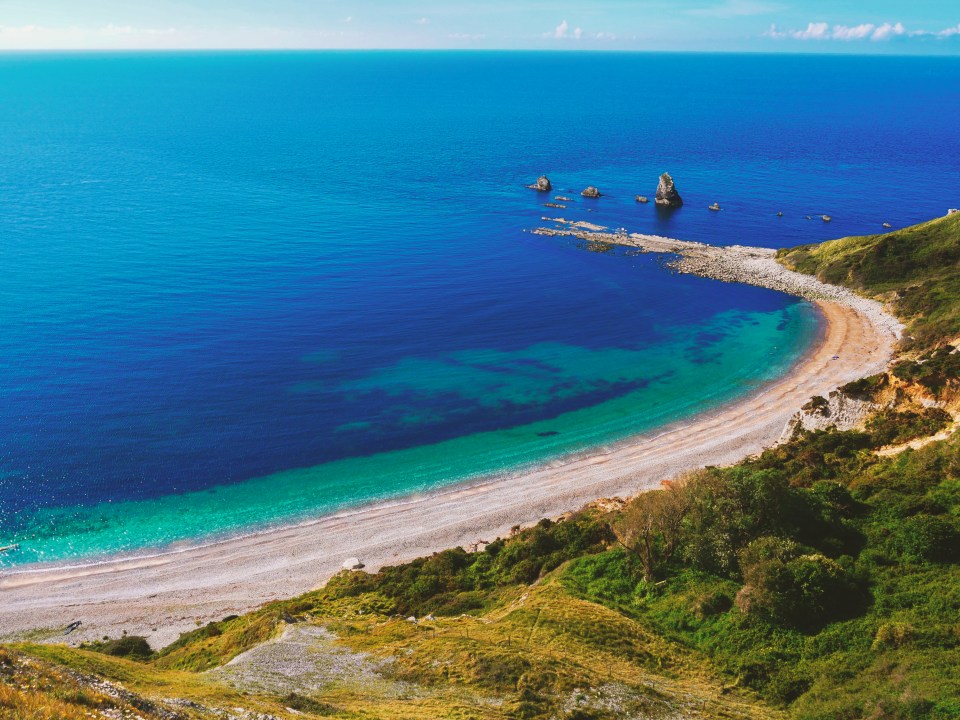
132 647
786 584
928 538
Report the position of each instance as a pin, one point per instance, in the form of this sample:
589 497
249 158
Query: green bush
132 647
928 538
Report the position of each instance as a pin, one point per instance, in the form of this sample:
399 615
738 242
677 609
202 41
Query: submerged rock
542 184
667 195
591 192
643 199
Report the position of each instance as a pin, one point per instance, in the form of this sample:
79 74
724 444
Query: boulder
715 207
643 199
352 564
667 195
591 192
542 184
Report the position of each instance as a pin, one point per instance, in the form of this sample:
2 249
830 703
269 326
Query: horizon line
545 51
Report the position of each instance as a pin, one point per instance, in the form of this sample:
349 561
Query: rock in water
542 184
591 192
643 199
667 195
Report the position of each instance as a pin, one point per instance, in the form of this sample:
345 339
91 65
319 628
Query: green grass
917 269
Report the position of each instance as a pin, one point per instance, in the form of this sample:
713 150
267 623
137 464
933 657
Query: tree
650 525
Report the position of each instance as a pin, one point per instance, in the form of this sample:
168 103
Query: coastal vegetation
916 269
818 580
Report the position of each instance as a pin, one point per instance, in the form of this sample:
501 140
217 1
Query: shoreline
162 594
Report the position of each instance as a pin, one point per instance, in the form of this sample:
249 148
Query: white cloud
348 19
604 36
563 32
467 36
857 32
814 31
852 33
887 31
423 21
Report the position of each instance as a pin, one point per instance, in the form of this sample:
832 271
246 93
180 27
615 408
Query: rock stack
542 184
591 192
667 195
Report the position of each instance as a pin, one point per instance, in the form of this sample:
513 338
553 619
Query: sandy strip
163 595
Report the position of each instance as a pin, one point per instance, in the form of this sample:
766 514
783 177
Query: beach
164 594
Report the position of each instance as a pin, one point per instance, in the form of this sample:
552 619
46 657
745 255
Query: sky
832 26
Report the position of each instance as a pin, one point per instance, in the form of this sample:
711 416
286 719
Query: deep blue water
221 267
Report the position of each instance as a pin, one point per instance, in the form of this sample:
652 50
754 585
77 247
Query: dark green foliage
842 597
935 371
927 538
865 388
132 647
788 584
890 426
819 455
453 581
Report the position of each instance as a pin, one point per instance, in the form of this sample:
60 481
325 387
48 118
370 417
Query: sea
239 290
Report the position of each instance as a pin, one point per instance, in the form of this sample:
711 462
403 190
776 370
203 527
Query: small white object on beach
352 564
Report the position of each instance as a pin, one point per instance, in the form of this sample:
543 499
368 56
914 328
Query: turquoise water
243 289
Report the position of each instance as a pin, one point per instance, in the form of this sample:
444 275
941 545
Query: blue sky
877 26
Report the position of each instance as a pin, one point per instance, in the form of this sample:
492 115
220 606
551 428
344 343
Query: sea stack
667 195
542 184
591 192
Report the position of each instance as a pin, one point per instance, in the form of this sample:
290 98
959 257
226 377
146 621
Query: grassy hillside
917 269
818 581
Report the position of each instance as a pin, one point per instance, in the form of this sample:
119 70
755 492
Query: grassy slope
557 621
917 268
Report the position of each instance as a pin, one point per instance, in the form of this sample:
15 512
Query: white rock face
841 412
352 564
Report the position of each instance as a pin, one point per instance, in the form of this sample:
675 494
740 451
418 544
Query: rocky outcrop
715 207
667 195
542 184
643 199
591 192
